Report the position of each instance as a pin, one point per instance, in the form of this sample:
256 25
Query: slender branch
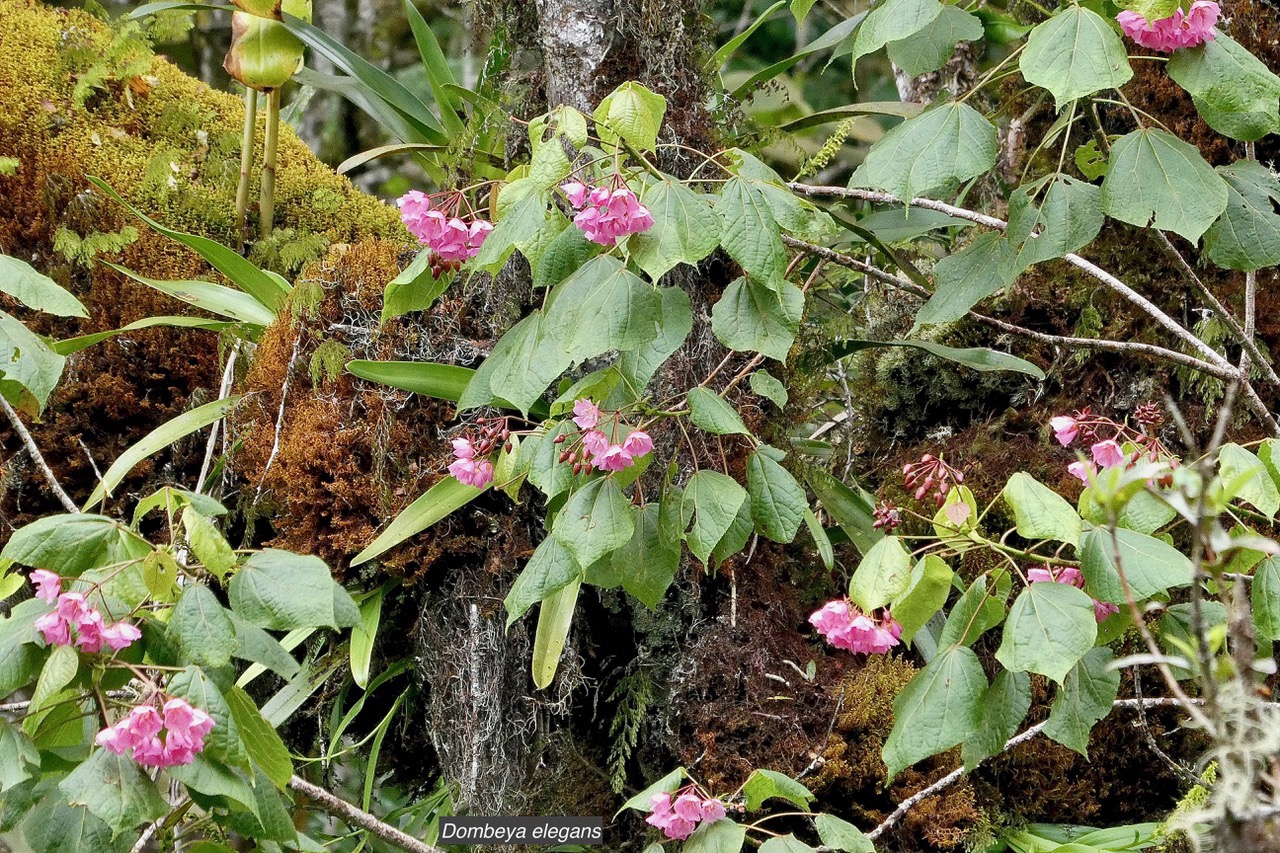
1130 347
30 443
1088 267
957 774
228 376
358 817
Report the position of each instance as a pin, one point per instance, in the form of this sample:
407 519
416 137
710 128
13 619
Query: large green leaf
1084 698
684 231
764 785
932 47
1073 54
554 619
29 367
1247 235
56 826
283 591
749 232
778 503
415 289
750 317
19 758
523 363
1151 566
647 564
940 147
1265 598
158 439
1003 709
253 281
34 290
224 741
632 112
1156 180
841 835
924 596
883 575
596 519
937 708
709 411
202 628
260 739
892 20
1040 512
1233 90
1065 219
551 568
723 836
712 500
1050 627
437 502
977 358
1248 479
964 278
73 544
674 322
226 301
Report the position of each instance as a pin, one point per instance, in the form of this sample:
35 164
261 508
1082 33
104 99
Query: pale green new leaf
883 575
1050 627
750 317
764 784
554 619
937 708
632 112
765 384
208 544
723 836
1073 54
1040 512
1155 180
1083 698
28 366
940 147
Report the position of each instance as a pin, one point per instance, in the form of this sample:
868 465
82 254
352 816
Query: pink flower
586 414
1176 32
672 824
121 635
463 449
712 810
89 633
608 214
576 192
472 472
638 443
595 442
613 459
150 750
72 607
47 585
1103 609
1082 471
1065 429
56 630
115 738
144 721
847 627
688 806
1107 453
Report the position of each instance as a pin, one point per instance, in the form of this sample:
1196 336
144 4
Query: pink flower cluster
846 627
605 454
1072 577
1175 32
448 236
604 215
1106 453
73 620
679 818
467 468
184 728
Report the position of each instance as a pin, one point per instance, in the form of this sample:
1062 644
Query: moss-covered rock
80 98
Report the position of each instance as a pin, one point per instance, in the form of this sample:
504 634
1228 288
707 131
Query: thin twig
1181 771
30 443
358 817
957 774
284 396
224 390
